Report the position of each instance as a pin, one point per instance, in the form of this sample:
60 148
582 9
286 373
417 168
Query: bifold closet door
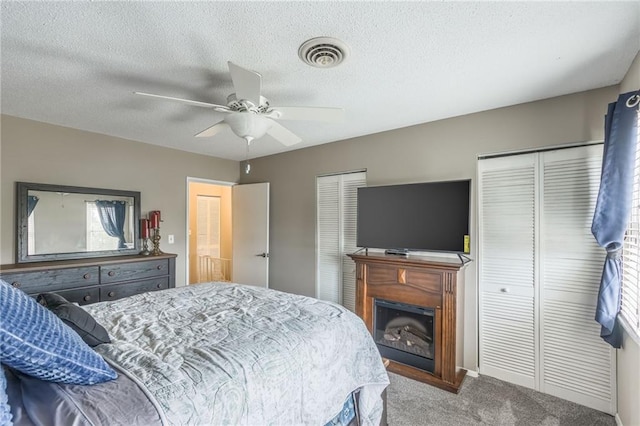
506 224
539 272
575 363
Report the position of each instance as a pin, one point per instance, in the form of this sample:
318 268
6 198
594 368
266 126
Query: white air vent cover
323 52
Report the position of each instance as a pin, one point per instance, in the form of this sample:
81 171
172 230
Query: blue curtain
614 207
32 200
112 215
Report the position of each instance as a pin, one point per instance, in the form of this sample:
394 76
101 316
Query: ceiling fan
249 114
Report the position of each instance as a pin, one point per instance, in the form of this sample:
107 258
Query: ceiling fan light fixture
323 52
248 125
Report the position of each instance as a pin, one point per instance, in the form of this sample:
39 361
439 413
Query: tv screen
430 216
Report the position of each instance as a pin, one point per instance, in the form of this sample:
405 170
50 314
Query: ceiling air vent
323 52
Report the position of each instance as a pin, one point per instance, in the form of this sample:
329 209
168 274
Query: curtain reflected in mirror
72 222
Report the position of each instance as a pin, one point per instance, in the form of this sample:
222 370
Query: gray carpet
483 401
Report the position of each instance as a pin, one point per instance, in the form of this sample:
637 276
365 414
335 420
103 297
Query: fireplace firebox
405 333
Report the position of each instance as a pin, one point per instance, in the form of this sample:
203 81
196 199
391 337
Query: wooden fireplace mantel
427 282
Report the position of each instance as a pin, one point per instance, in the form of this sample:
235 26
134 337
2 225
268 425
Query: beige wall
445 149
629 355
37 152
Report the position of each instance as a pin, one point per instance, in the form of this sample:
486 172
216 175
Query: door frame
186 225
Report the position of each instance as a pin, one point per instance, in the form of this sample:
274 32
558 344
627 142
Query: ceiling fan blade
284 135
248 84
332 115
213 130
186 101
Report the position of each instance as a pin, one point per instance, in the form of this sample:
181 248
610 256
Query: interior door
251 234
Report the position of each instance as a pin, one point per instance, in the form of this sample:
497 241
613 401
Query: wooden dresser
424 282
94 280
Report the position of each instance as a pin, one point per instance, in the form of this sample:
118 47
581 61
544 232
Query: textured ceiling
76 64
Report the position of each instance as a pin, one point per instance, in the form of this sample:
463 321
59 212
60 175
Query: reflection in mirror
61 222
87 224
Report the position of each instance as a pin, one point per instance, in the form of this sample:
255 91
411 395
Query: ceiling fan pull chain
247 167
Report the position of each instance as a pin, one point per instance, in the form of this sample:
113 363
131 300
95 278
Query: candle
144 228
154 219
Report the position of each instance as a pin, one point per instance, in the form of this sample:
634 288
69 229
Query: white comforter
223 354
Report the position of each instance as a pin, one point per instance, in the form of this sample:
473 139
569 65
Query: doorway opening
210 231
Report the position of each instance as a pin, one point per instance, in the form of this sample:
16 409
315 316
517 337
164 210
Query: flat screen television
432 216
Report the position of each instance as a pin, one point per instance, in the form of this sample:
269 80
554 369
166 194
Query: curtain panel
614 206
112 217
32 200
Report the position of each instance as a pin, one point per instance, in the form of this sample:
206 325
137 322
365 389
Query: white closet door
506 224
328 226
350 184
337 203
575 363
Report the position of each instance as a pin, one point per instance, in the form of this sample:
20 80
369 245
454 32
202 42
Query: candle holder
145 247
156 242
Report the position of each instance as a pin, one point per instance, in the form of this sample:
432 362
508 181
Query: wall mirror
57 222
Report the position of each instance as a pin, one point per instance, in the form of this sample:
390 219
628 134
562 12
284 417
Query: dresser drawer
118 291
82 296
134 271
52 279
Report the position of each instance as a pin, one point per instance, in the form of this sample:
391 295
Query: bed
214 354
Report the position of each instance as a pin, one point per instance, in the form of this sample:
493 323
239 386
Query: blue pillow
37 343
5 410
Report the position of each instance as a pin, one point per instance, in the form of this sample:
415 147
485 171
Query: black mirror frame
22 220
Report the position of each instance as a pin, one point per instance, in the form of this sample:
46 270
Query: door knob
263 255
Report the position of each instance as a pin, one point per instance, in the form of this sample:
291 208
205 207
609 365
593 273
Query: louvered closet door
506 223
337 204
575 363
328 239
350 184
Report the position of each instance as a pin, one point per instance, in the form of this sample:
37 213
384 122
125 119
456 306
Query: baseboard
618 421
474 373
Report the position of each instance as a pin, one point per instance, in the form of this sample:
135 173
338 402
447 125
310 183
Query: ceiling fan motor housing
243 105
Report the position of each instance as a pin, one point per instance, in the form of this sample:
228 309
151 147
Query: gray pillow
75 317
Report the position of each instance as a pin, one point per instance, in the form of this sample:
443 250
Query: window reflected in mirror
71 222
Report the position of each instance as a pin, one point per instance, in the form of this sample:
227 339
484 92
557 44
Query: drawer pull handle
86 276
159 267
111 273
504 290
111 294
87 298
16 284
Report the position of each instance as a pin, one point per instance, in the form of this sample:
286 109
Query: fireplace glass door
405 333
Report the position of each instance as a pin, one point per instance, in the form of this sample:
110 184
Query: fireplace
419 299
405 333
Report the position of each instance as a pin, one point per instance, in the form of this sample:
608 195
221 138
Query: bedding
36 342
5 409
217 354
220 353
75 317
118 402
